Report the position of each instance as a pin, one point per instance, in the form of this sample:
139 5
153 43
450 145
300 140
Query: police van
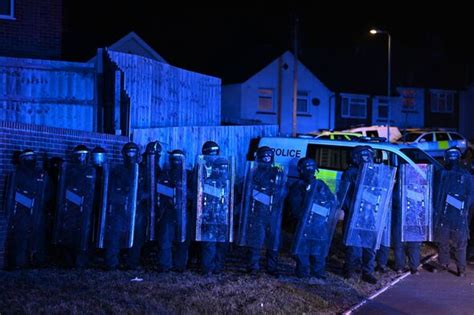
334 156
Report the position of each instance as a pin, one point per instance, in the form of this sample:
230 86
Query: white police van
333 156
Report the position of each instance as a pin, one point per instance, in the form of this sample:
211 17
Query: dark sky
428 47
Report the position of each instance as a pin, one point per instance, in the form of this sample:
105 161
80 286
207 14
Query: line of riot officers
119 207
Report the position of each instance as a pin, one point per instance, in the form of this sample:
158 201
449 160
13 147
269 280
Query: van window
330 157
418 156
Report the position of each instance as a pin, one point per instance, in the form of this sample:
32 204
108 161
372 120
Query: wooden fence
162 95
49 93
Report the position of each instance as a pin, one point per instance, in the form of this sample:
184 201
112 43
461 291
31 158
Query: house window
6 9
302 102
442 102
265 100
382 110
354 107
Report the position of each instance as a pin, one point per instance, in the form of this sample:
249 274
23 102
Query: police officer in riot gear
216 175
261 214
311 240
117 226
454 199
171 227
26 194
74 217
358 257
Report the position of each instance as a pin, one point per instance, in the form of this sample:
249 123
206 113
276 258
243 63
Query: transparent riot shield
117 222
74 213
25 206
150 177
171 191
387 228
415 185
261 207
369 207
215 198
312 234
452 205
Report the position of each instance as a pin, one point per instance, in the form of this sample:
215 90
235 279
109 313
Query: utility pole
295 79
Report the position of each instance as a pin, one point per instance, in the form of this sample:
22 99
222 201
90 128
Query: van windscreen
330 157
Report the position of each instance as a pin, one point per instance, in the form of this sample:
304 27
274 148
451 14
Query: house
31 28
266 97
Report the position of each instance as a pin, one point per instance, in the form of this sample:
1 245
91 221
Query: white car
436 142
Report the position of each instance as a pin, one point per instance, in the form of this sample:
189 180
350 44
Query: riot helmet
176 158
99 156
27 158
210 148
265 155
362 154
130 153
153 148
452 157
80 154
307 168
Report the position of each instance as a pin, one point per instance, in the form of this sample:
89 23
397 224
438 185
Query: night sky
431 47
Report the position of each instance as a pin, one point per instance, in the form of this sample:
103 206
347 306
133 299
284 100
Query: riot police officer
74 215
214 207
313 206
117 223
261 214
452 211
26 213
358 257
171 227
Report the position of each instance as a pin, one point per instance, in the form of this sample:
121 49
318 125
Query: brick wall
35 31
47 142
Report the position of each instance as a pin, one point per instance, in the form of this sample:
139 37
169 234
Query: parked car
435 142
377 132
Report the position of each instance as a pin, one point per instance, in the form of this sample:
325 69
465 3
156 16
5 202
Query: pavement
426 293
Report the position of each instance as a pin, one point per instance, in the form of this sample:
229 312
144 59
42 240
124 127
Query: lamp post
374 32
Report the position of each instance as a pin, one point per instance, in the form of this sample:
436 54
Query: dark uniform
260 218
313 207
454 199
26 238
358 258
74 214
171 227
213 252
117 224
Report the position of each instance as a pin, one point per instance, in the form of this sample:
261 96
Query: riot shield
73 225
25 206
100 199
215 194
452 205
151 175
117 220
387 228
171 200
416 202
369 207
314 231
261 207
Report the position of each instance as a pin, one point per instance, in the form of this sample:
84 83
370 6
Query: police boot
461 272
369 278
440 268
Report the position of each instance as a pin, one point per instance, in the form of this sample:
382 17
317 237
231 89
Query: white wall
409 111
318 117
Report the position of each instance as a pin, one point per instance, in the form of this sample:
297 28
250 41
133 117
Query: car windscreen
420 157
410 137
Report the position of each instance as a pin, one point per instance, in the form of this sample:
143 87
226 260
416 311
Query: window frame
10 16
350 102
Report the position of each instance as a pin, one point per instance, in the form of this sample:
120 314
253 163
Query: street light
374 32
